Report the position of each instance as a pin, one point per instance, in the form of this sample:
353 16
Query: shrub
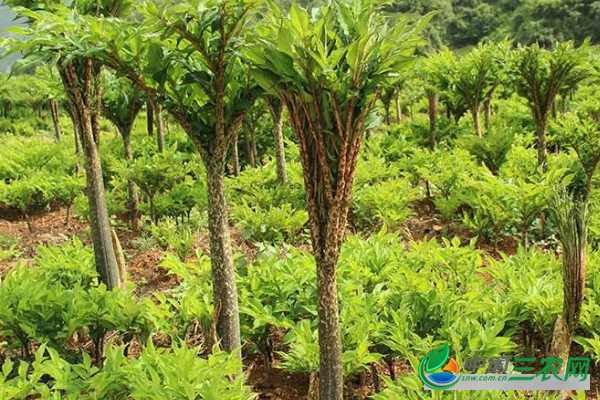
492 149
278 289
26 194
259 187
272 225
61 296
527 282
447 175
179 200
174 373
172 236
372 168
387 202
491 207
154 174
8 247
115 201
190 303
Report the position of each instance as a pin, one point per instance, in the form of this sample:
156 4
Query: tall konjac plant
51 35
570 213
539 74
476 77
187 57
121 104
328 69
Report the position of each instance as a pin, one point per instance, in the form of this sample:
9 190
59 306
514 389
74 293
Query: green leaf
285 40
155 58
266 79
299 19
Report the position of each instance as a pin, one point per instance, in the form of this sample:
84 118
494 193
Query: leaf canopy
346 47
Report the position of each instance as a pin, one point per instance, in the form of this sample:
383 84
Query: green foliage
259 186
377 272
492 149
191 303
547 22
590 314
264 209
25 194
372 168
476 76
275 224
61 297
20 157
304 349
121 102
386 202
590 346
35 174
582 134
65 189
356 46
172 373
157 173
528 281
116 204
171 236
448 174
278 289
179 200
464 24
8 247
539 74
398 299
491 207
23 103
328 68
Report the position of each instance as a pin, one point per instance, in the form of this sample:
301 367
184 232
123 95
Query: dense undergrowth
397 302
487 282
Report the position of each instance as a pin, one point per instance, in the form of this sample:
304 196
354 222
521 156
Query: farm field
233 200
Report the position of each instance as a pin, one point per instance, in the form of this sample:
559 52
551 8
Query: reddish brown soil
49 228
427 223
274 383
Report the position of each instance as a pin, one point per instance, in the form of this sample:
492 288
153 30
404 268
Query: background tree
157 112
437 32
121 104
54 93
25 95
328 71
251 124
538 76
390 93
276 108
465 23
547 22
435 72
149 118
475 79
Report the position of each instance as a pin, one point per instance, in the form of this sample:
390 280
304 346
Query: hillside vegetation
235 200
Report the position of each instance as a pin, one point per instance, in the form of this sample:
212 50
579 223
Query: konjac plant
328 68
47 37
